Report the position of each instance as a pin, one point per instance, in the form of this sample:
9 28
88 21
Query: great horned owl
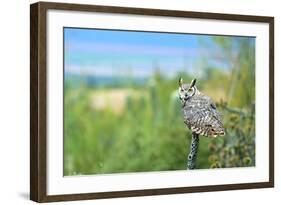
199 112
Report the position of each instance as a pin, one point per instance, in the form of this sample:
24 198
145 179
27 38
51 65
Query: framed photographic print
134 102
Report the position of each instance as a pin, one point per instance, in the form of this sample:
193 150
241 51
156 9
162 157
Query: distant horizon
136 53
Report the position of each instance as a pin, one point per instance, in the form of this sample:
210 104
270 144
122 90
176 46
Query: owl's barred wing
201 116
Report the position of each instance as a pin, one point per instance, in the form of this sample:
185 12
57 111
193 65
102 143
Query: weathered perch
191 161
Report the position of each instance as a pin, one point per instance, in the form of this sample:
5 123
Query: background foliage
129 126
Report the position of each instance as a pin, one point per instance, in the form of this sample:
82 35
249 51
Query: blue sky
109 52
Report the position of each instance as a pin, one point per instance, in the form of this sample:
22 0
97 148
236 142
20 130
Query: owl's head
186 91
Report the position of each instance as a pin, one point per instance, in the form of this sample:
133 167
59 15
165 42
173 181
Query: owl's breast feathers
201 116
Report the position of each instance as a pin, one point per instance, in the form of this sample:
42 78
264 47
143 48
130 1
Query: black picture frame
38 100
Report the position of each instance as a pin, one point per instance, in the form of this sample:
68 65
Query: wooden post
191 161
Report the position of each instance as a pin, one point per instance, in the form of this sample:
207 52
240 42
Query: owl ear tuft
192 83
180 82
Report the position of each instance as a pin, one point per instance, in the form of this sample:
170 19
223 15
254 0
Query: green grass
144 131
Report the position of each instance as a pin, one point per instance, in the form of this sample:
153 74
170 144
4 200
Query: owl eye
190 89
